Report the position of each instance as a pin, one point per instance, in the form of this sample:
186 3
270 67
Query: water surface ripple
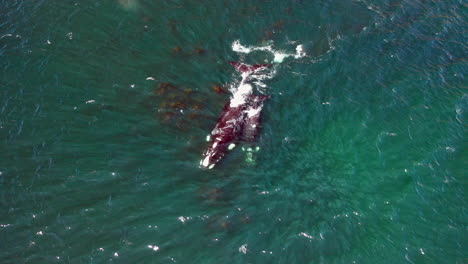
105 106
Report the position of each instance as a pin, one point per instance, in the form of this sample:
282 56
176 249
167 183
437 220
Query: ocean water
105 106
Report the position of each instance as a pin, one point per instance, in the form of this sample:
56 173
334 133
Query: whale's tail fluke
242 67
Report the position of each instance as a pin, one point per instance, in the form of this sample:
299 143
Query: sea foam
278 56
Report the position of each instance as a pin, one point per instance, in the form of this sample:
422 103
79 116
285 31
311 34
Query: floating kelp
213 195
179 106
199 51
165 89
177 50
228 223
274 29
219 89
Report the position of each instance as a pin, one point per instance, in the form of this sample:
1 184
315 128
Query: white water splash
243 249
279 56
240 91
256 79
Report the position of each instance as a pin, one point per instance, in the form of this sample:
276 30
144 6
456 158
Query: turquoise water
362 150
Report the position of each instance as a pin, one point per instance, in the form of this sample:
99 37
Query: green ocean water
362 148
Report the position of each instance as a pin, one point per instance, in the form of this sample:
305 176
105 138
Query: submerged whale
240 119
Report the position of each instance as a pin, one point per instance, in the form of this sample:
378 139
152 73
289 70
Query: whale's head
223 141
213 154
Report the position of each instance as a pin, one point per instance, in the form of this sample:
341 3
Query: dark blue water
362 149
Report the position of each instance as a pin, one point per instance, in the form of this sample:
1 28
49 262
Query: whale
240 118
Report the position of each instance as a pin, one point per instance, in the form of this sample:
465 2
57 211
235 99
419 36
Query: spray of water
258 77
